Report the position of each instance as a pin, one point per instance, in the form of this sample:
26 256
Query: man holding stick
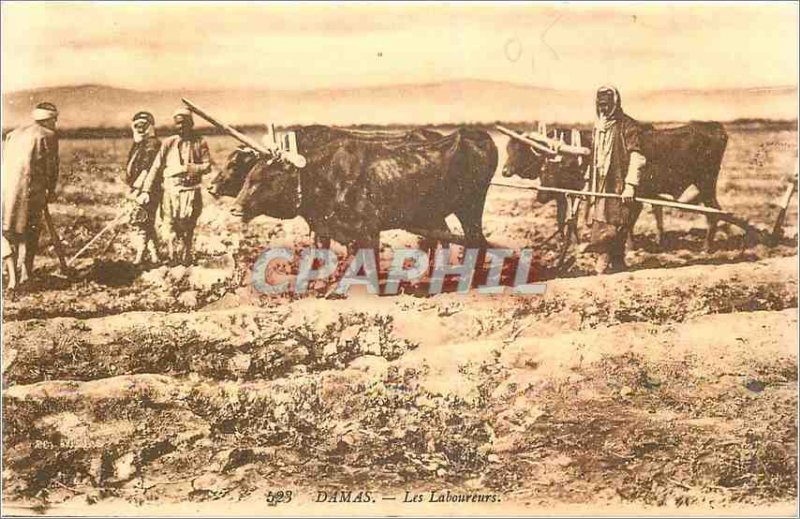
178 169
30 174
617 168
140 158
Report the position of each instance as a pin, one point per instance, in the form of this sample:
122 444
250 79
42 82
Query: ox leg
658 212
471 219
712 220
372 243
472 223
429 244
324 242
561 215
711 232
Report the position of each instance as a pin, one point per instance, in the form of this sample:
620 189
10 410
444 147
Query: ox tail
711 150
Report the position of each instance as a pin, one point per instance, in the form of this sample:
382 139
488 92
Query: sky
561 45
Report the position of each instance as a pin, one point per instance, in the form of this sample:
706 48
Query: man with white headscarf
618 166
140 158
30 174
179 167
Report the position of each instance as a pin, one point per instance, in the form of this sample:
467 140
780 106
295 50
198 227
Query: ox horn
557 146
289 152
521 138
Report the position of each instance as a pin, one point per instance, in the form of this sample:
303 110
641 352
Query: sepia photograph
399 259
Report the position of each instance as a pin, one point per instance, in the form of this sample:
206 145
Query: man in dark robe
617 168
140 157
30 173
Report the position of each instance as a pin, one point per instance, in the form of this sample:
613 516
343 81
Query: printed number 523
278 496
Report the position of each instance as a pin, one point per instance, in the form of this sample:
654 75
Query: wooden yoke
233 132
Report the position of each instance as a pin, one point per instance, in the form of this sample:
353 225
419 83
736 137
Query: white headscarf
43 113
605 127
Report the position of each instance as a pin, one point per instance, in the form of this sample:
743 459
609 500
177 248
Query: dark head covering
612 94
147 116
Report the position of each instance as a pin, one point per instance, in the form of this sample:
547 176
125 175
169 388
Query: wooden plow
751 231
554 148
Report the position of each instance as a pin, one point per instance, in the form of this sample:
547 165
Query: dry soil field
672 384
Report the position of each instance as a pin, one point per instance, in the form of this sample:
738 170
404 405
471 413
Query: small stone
370 341
239 364
652 381
372 364
124 467
188 299
474 483
625 391
756 386
177 273
493 458
351 438
299 370
508 443
424 401
210 482
349 333
330 349
155 277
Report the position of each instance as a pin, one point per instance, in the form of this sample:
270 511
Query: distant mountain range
434 103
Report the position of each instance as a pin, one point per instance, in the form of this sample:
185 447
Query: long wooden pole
708 211
51 229
230 130
105 229
651 201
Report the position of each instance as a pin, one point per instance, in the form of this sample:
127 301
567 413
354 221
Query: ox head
565 174
551 159
523 161
230 179
270 187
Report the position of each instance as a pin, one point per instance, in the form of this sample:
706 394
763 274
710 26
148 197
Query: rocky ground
670 387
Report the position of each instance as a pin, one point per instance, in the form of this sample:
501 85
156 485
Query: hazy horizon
308 47
398 84
452 102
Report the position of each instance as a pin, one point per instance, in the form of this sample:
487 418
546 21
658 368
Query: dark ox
351 188
230 178
677 158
